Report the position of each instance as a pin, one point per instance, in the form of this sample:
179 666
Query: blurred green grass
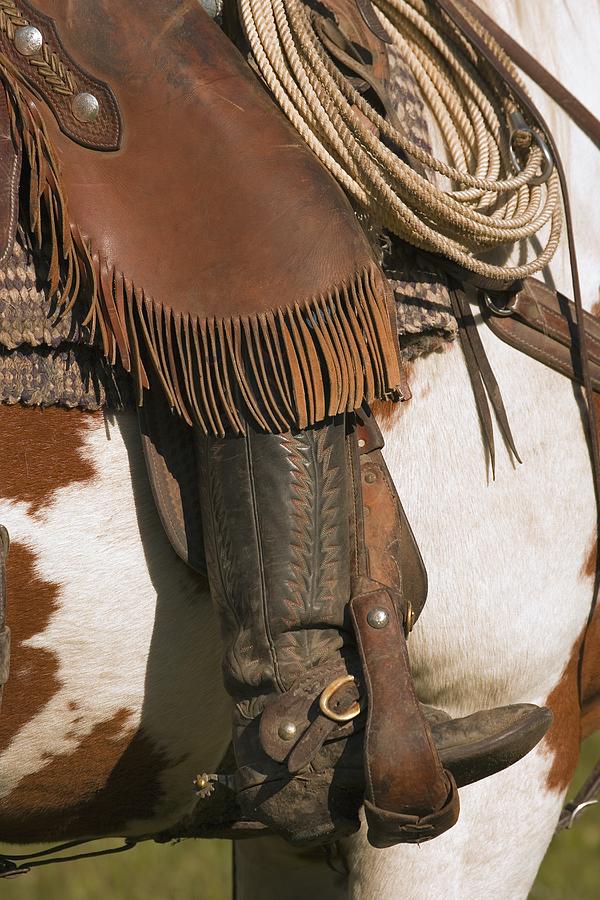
571 869
201 870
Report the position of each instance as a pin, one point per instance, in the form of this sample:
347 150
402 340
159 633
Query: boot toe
490 740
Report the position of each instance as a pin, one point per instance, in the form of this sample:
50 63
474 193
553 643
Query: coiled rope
483 204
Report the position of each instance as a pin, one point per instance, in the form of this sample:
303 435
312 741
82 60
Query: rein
12 865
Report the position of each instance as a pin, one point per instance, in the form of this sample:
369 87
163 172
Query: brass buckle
351 713
409 621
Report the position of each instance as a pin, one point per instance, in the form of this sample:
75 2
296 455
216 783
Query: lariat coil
483 203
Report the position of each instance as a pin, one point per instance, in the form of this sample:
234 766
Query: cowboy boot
309 635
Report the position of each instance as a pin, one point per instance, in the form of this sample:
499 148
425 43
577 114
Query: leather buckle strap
391 549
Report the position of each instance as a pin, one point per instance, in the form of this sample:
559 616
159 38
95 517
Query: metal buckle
502 311
518 123
409 620
351 713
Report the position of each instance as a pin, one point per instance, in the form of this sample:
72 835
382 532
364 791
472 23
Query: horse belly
114 700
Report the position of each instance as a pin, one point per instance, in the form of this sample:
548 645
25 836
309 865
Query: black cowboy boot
309 635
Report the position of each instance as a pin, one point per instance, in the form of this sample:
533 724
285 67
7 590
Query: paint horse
110 711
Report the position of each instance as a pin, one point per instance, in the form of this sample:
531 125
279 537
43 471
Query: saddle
161 194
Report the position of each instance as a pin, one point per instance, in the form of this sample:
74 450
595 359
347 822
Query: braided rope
482 204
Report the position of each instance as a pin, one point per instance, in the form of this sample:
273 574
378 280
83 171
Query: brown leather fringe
289 367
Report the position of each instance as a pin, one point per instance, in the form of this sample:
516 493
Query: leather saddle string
483 380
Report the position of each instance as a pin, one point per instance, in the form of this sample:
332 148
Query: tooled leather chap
165 196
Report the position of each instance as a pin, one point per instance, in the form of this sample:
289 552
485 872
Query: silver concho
287 731
28 40
377 617
85 107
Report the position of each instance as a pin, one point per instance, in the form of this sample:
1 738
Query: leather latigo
543 324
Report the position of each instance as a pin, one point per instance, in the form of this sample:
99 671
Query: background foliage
200 870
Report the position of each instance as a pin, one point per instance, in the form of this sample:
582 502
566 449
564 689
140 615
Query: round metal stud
377 617
287 731
85 107
370 477
28 40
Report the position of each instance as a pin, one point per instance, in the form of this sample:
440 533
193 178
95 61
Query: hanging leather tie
483 381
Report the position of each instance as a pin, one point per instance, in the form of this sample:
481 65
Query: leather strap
542 324
19 864
408 795
483 380
393 555
358 42
63 82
